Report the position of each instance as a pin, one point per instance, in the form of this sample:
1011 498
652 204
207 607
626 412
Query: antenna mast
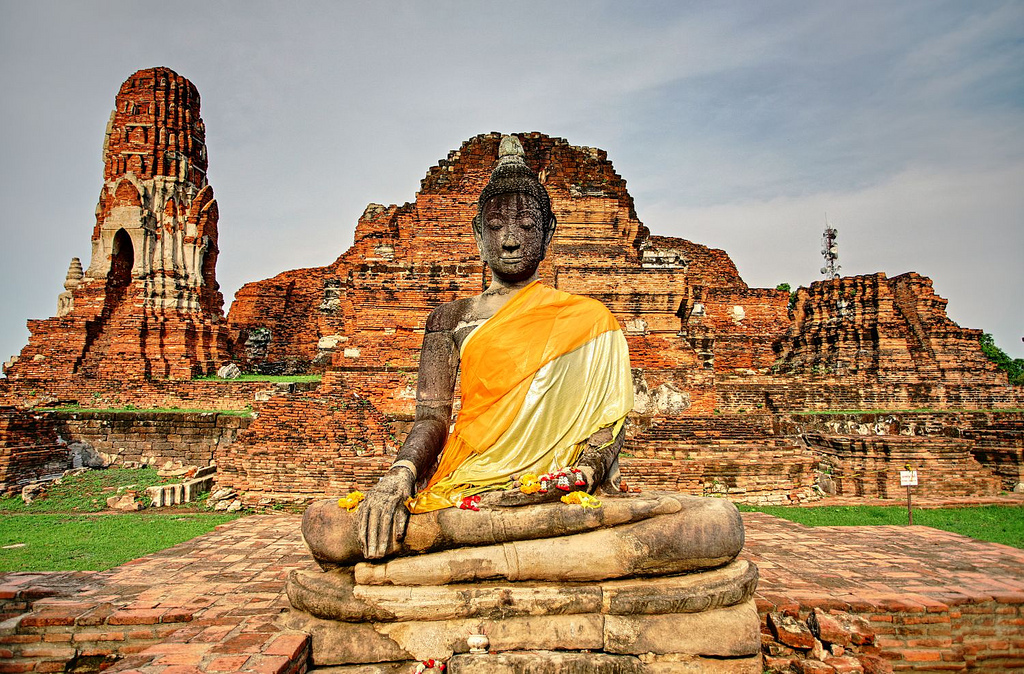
830 251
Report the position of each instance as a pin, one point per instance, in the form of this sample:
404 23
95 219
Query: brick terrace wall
204 394
153 438
870 466
29 449
738 456
909 634
64 635
797 393
307 446
993 439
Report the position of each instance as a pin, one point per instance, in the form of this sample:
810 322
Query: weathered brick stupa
148 305
701 341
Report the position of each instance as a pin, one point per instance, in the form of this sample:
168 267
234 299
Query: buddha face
512 236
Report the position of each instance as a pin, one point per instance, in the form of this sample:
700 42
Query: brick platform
936 601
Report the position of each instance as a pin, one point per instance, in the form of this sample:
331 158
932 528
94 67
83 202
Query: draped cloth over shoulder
541 376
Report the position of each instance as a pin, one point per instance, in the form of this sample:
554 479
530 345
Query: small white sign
908 478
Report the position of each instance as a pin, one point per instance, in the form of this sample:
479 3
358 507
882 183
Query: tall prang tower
148 305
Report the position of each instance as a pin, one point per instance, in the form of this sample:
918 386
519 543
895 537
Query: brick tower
148 305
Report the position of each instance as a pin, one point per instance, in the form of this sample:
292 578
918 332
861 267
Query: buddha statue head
514 223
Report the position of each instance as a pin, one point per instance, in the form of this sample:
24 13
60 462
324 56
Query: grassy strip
87 492
277 378
997 524
93 542
129 409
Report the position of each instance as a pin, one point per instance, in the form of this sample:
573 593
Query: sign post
908 479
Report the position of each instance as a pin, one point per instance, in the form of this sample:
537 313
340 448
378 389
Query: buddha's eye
527 219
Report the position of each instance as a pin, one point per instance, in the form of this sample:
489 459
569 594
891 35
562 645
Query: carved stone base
687 623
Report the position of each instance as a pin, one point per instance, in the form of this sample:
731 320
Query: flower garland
470 503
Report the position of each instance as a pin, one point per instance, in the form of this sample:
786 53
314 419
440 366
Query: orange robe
541 376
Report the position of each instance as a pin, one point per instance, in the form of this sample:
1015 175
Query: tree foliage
792 294
1014 367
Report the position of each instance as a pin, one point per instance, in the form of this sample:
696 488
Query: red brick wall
152 438
29 449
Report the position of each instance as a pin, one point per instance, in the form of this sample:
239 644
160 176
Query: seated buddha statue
546 387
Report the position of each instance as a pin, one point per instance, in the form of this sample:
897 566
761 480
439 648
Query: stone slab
333 595
565 662
329 531
404 667
545 662
341 643
675 663
733 631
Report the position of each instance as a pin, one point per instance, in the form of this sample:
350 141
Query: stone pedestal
653 586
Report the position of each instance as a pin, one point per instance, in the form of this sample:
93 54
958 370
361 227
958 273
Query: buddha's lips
510 259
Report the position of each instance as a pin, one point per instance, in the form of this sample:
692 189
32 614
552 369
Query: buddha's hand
383 515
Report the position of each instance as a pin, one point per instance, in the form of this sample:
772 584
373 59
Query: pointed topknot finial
511 150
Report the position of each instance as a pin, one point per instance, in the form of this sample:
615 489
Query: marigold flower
582 499
351 502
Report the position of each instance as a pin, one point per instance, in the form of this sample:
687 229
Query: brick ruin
716 362
700 338
148 305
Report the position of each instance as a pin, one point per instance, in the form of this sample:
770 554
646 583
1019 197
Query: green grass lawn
93 542
998 524
63 530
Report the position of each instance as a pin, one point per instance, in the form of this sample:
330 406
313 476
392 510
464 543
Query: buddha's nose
509 241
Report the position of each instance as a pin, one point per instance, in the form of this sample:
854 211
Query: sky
737 125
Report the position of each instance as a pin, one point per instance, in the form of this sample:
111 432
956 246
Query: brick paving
209 604
206 605
853 568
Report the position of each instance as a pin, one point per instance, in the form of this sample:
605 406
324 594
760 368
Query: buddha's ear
549 231
476 231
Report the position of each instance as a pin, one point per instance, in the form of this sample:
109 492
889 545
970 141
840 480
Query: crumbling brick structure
148 304
30 449
704 346
685 310
891 338
706 349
